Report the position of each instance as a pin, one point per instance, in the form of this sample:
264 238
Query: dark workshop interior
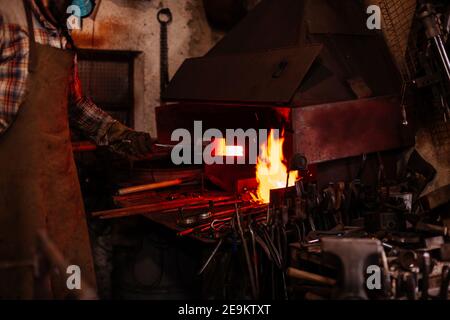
224 150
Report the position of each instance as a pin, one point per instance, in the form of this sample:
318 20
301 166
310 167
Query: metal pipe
151 186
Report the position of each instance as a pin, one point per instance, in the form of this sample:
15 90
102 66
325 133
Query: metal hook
165 16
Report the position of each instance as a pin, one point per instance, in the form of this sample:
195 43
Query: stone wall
132 25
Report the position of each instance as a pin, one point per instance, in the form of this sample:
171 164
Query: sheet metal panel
271 77
345 129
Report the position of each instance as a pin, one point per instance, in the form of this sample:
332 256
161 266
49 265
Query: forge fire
230 157
271 171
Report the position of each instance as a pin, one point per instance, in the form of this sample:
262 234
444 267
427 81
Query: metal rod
255 258
151 186
208 261
442 55
165 206
247 254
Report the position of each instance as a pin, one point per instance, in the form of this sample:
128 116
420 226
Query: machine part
298 163
410 285
432 228
164 18
385 221
353 255
408 259
405 197
434 243
445 282
416 163
205 215
213 253
403 238
445 252
186 221
195 218
426 270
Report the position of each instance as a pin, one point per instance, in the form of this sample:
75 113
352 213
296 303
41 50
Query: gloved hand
128 142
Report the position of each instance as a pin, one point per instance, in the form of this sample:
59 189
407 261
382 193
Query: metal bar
151 186
208 261
308 276
155 207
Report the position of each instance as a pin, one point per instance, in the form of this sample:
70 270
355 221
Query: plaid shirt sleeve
2 34
85 115
14 47
3 123
13 72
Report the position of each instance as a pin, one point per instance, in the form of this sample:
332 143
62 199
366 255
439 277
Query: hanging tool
430 20
247 254
208 261
441 78
164 18
255 256
353 255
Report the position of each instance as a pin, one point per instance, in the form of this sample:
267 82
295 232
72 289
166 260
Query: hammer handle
304 275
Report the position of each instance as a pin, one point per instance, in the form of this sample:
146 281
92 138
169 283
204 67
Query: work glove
129 143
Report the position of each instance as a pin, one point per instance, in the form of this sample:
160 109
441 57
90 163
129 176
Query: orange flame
271 172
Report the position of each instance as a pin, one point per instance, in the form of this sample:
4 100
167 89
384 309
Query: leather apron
39 187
